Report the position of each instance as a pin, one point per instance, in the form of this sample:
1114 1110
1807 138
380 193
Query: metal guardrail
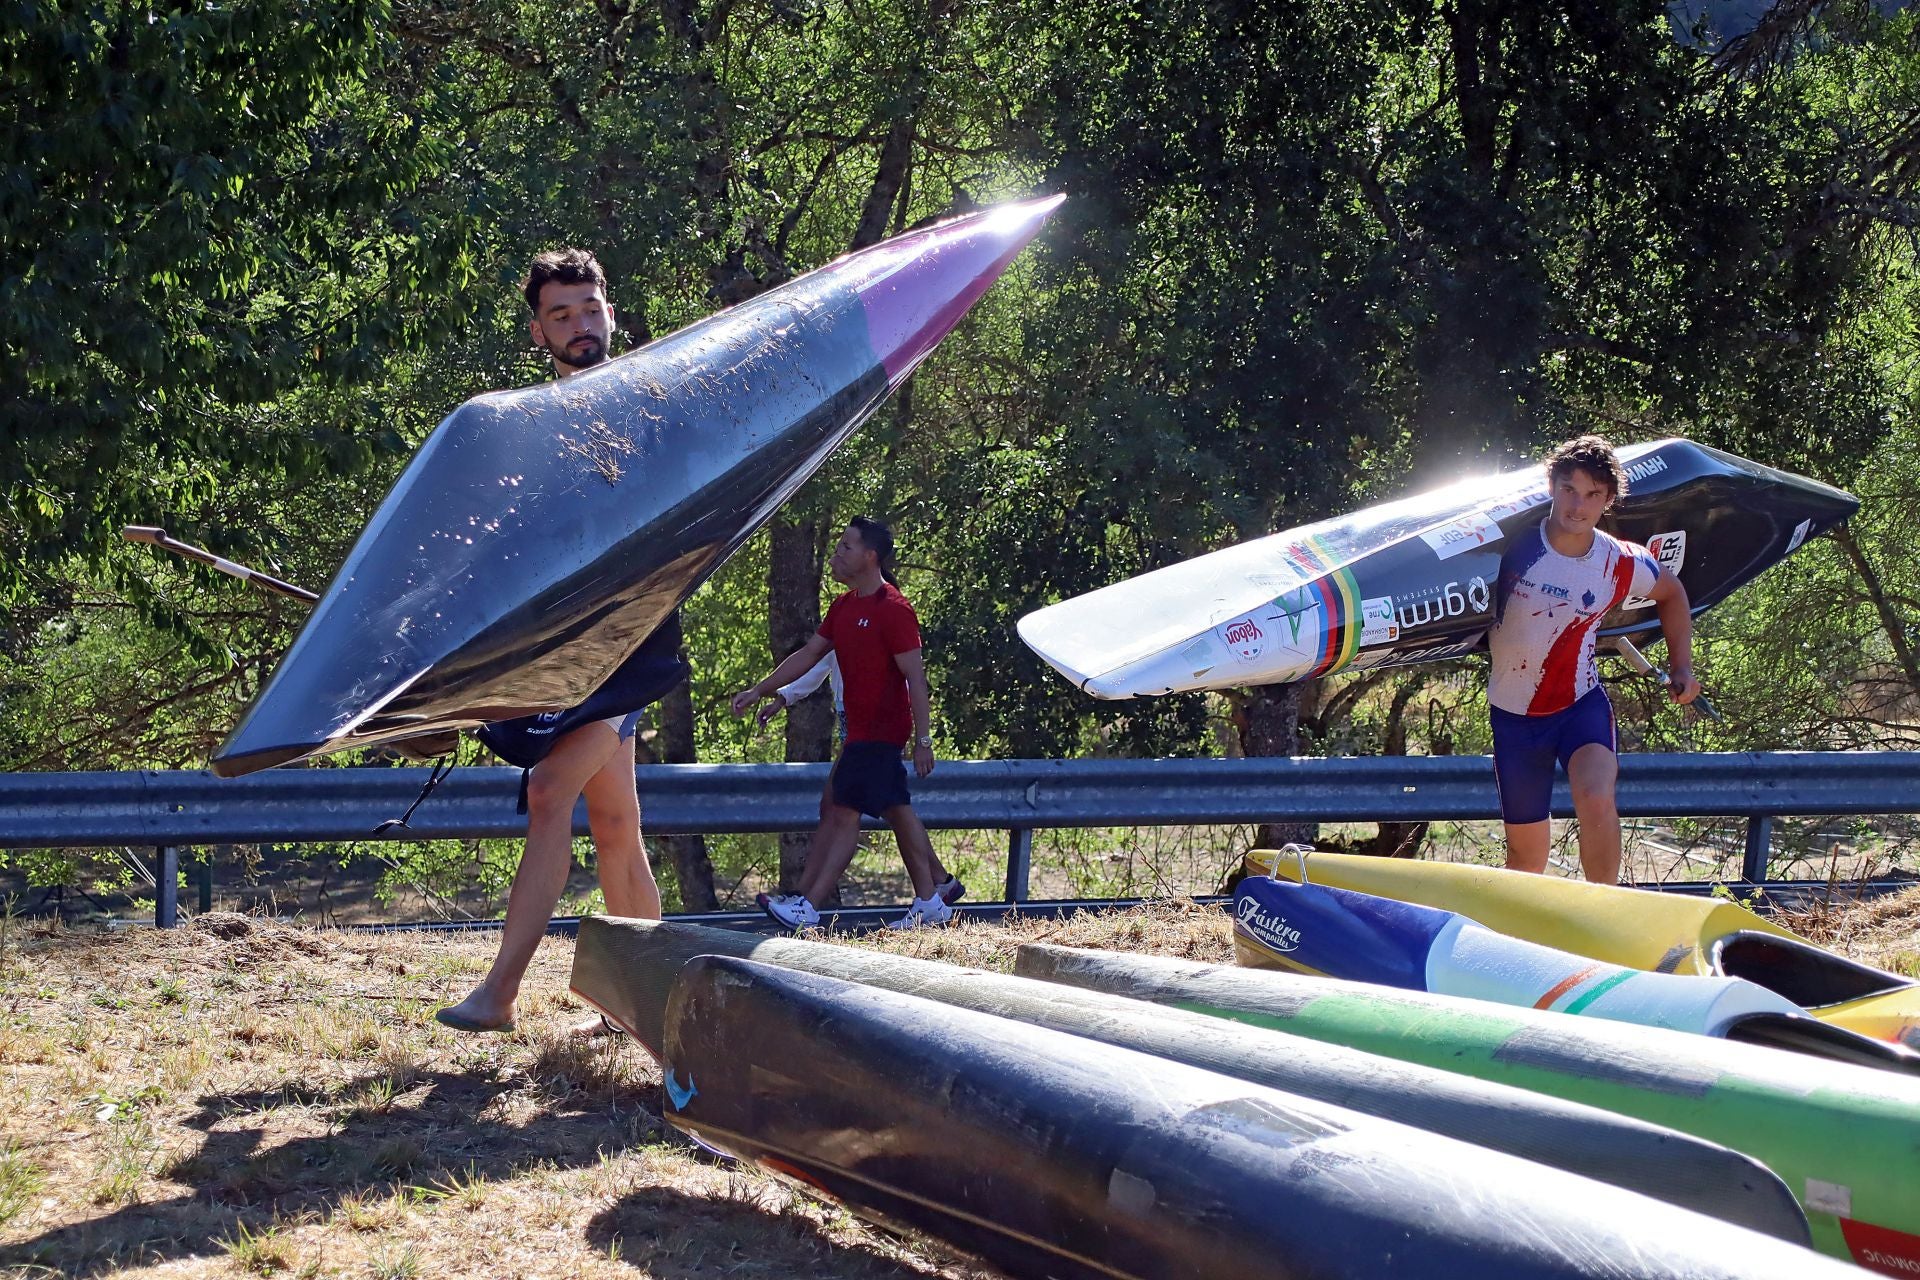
171 810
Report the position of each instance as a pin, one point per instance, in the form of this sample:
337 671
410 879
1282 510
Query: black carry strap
441 768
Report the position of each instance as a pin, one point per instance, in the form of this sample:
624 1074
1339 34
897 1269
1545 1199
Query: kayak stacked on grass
1077 1136
1343 933
1051 1156
627 968
1667 933
1413 580
1846 1140
540 536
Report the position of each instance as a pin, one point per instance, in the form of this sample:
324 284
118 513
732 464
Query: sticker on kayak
1266 1122
1829 1197
1267 927
1475 529
1514 506
1243 638
1800 532
1199 656
1299 625
1378 622
1670 551
1401 658
1882 1249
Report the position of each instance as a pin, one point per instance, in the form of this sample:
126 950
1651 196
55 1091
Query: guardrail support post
206 876
166 886
1019 862
1759 848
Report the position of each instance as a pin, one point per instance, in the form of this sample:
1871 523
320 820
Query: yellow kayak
1666 933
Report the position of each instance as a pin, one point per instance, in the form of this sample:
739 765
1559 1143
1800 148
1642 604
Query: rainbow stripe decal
1334 590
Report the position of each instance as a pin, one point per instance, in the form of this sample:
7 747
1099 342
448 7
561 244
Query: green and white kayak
1845 1139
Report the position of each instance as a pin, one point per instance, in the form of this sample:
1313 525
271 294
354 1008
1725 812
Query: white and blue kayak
1341 933
1413 580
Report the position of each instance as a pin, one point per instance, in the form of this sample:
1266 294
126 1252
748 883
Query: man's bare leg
916 850
1527 845
830 853
552 789
1592 773
940 873
620 856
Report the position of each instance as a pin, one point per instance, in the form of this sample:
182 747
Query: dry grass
251 1099
1179 928
245 1098
1884 932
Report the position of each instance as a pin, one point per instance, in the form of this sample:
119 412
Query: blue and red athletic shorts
1526 747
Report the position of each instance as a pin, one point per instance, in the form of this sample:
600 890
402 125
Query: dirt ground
246 1097
249 1097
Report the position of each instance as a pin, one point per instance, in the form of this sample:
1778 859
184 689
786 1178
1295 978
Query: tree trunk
896 153
1891 623
1269 724
1398 839
687 853
794 565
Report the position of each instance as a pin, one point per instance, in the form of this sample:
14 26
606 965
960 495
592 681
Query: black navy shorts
1526 747
870 777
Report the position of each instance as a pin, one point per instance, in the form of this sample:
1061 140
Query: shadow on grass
374 1144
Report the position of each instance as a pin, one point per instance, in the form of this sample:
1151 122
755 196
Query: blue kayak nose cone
539 536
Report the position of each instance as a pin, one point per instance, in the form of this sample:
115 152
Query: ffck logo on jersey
863 622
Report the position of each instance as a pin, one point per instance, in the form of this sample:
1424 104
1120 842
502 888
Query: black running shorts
870 777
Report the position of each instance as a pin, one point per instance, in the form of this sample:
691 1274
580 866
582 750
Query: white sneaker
932 910
950 890
793 911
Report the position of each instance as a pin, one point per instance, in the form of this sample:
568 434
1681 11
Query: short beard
597 354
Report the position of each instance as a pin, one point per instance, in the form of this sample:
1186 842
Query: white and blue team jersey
1547 612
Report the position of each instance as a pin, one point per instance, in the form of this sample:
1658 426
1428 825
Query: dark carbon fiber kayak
626 969
1053 1156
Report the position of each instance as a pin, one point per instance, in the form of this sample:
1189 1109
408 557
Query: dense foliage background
1315 254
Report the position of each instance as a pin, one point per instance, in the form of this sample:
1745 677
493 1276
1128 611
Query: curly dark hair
568 266
1593 455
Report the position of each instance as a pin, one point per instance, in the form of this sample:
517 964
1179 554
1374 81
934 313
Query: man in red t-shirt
873 633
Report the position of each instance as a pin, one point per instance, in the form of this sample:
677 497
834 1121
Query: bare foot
478 1012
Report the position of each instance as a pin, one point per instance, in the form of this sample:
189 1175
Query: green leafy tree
201 208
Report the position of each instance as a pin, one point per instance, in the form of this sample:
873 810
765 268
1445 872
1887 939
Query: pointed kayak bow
539 536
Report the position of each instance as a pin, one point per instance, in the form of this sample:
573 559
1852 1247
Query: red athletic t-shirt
866 632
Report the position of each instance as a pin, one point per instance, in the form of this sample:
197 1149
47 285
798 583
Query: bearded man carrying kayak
586 751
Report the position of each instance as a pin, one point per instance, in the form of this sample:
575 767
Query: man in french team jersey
875 635
1557 581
